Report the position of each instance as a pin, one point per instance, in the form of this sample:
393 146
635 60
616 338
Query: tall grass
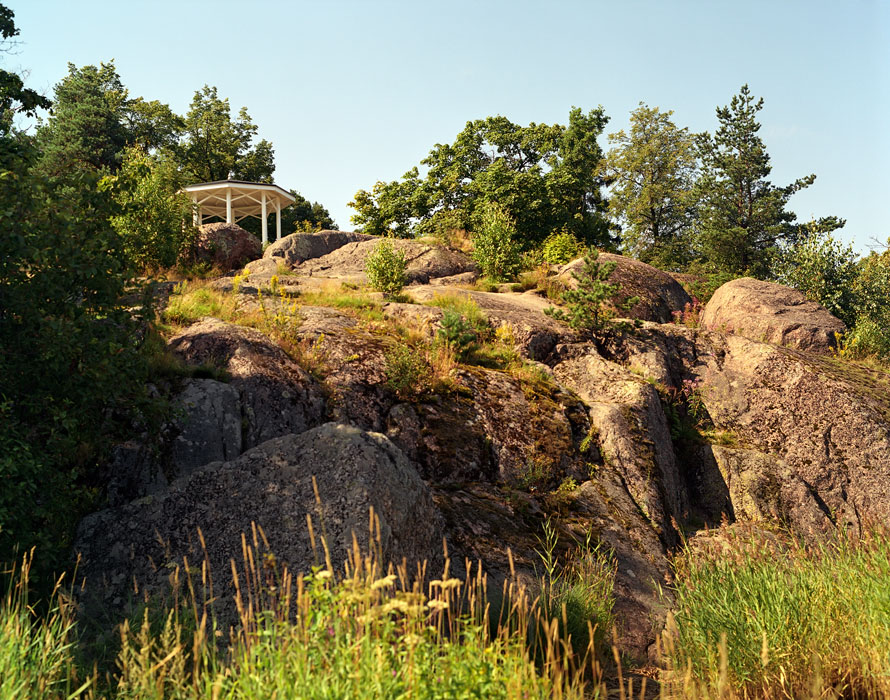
36 650
772 617
363 633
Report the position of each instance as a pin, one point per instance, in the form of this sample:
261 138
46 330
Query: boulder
824 424
227 246
136 546
772 313
425 262
277 395
660 295
298 247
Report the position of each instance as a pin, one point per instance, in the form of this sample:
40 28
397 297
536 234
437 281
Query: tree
542 175
86 129
14 96
743 216
154 221
216 146
652 172
589 305
304 215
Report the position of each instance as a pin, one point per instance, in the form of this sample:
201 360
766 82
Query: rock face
823 421
209 421
227 246
298 247
772 313
270 486
425 262
277 396
660 295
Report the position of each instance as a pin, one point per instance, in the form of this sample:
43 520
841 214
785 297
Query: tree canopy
216 146
543 176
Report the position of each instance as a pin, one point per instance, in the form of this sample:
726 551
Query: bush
407 372
824 270
494 248
155 223
385 268
561 247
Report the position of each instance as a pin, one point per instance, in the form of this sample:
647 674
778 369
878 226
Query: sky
350 92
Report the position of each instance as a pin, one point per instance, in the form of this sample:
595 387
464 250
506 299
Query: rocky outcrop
226 246
828 421
270 486
298 247
628 423
659 295
772 313
277 395
425 262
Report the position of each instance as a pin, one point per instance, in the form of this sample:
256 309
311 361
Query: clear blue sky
351 92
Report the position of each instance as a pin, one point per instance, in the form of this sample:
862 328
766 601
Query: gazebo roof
246 197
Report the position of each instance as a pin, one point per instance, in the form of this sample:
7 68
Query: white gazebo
234 200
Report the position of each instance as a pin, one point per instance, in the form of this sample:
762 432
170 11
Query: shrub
824 270
155 219
494 248
407 372
385 268
561 247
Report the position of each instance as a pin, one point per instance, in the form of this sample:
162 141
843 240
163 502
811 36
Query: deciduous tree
652 172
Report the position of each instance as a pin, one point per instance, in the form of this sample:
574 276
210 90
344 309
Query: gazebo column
277 220
196 211
229 218
265 220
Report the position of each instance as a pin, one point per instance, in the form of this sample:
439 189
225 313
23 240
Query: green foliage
407 372
304 216
589 306
494 248
385 268
652 173
155 219
743 217
71 365
871 291
215 145
791 616
560 247
824 270
85 130
456 333
544 177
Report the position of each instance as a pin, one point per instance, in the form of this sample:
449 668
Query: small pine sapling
591 305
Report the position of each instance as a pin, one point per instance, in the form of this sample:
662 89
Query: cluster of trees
674 198
147 153
682 201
